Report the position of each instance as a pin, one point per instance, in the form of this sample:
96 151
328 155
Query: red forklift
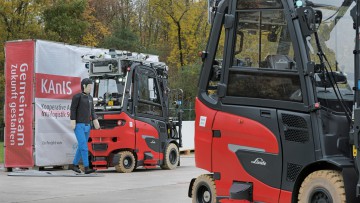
277 112
138 124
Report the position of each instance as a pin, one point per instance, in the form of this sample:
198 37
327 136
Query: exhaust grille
108 124
295 128
293 171
99 146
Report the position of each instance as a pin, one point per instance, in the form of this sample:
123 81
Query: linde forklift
138 124
277 112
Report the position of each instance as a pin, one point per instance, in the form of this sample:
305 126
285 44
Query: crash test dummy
81 114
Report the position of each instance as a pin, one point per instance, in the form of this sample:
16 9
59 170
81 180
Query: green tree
196 30
121 39
64 21
186 28
174 12
19 19
179 78
96 31
174 30
74 22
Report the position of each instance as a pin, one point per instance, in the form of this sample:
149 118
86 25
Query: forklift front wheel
126 162
323 186
204 190
171 157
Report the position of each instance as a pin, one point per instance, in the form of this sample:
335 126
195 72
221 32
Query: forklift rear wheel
204 190
323 186
126 162
171 158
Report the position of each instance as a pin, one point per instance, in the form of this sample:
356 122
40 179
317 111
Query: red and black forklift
277 109
138 124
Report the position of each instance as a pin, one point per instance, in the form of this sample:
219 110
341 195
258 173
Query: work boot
75 168
89 170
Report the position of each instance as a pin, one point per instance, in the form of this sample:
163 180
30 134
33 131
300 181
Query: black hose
332 80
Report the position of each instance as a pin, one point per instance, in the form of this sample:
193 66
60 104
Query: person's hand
96 124
72 124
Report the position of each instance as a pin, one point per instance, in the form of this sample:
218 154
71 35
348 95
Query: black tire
204 190
9 169
323 186
171 157
126 162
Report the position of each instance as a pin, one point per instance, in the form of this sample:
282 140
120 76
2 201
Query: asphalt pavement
140 186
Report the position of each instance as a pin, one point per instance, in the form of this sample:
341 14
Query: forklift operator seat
278 62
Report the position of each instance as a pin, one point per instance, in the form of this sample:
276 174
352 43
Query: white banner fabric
55 142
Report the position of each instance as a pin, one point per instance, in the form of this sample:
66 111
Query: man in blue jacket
81 114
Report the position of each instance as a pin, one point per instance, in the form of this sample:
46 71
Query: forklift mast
355 131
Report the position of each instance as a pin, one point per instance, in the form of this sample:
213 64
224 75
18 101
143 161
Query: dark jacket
82 108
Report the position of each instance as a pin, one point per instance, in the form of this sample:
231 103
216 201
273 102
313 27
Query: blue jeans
82 132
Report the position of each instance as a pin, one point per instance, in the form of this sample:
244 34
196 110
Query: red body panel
232 170
245 132
112 116
145 129
203 135
213 154
125 136
233 201
285 196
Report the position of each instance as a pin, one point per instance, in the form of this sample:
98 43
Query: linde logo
259 161
56 86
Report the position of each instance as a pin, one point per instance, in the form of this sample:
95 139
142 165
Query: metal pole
355 134
357 56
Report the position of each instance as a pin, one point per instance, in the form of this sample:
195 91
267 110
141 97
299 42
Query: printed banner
55 141
19 69
58 69
56 86
58 72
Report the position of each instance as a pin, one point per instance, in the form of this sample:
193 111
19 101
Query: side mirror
215 71
318 18
323 79
309 20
